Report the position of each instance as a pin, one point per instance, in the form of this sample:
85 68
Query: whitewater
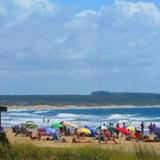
81 116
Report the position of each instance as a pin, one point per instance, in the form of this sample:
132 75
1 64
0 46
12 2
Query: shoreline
48 107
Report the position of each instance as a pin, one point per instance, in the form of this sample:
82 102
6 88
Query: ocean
92 117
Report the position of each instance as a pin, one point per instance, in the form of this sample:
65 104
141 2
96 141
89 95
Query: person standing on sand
124 125
154 126
150 128
142 128
117 132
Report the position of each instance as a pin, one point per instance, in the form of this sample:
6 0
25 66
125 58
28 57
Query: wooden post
3 136
2 109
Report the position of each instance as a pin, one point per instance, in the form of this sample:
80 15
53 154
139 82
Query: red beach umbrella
124 130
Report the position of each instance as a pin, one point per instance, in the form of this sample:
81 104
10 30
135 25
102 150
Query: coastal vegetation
31 152
95 98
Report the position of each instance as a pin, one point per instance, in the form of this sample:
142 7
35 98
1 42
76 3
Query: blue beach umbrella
93 131
50 131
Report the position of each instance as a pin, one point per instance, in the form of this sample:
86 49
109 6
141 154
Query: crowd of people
103 133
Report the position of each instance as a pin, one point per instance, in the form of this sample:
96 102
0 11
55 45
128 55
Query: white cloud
88 33
14 12
119 39
86 13
41 5
147 9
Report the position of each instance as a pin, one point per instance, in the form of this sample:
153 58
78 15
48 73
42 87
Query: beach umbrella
69 124
50 131
93 131
84 130
131 128
30 125
98 128
57 125
124 130
112 129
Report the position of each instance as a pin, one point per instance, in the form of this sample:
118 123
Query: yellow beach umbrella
84 130
131 128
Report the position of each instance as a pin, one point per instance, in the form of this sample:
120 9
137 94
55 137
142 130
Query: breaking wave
91 117
67 115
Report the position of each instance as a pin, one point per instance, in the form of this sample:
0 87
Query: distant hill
95 98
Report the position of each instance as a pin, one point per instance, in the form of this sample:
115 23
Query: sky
76 47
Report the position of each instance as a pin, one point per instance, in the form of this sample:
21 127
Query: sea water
93 117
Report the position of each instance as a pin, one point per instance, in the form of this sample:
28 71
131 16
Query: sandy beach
122 145
48 107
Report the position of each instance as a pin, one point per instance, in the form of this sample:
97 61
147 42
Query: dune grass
31 152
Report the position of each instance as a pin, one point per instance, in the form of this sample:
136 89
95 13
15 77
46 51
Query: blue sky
75 47
84 4
94 4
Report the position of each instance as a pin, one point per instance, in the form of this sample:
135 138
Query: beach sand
122 145
48 107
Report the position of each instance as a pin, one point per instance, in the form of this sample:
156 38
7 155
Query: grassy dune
31 152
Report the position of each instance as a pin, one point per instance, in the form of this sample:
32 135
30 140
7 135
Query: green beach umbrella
30 125
98 128
57 125
111 129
